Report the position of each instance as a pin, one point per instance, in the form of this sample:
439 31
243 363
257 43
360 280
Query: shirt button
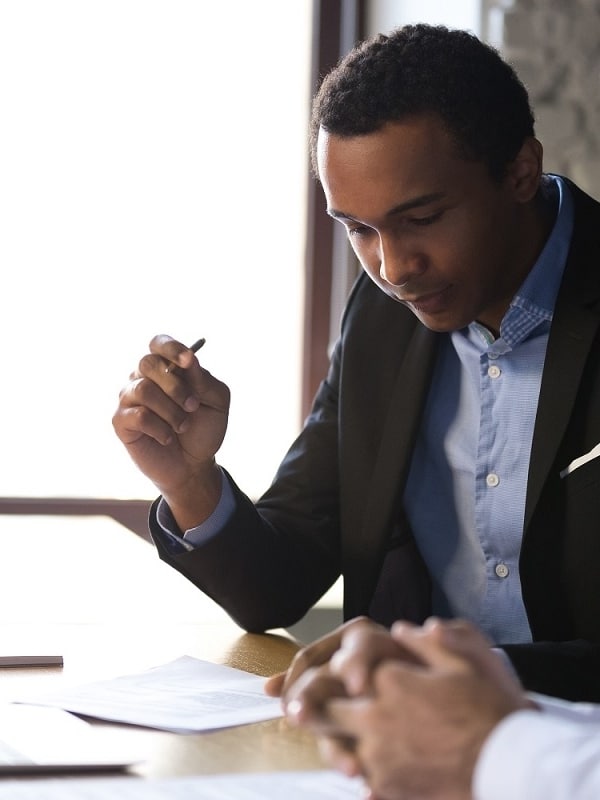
494 371
492 479
501 570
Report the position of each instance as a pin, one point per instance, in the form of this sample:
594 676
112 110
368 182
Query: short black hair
420 69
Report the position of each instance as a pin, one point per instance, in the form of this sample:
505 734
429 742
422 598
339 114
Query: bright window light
383 15
152 180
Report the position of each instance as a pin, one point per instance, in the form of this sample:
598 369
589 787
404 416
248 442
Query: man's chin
439 323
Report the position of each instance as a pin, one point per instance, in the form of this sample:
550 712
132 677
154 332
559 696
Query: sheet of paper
184 696
316 785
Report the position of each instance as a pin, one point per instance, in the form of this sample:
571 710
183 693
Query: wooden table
91 590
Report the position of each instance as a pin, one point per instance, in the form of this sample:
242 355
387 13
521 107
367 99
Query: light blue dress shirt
465 495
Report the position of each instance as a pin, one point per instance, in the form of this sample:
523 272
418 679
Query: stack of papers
184 696
316 785
187 695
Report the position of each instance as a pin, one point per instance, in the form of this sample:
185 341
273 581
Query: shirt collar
534 302
540 287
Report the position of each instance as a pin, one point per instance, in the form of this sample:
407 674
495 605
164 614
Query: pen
31 661
193 347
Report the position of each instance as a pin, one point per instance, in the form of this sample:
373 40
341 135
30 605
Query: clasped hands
408 709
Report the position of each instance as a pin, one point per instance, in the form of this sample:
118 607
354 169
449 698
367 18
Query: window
386 14
152 179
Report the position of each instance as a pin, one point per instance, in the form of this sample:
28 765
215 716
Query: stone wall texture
554 45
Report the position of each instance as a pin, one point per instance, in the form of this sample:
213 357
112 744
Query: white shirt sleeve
549 755
580 712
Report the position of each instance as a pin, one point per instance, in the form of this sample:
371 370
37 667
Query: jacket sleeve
570 670
275 558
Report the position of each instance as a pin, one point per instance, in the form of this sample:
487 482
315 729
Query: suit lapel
568 348
384 494
574 328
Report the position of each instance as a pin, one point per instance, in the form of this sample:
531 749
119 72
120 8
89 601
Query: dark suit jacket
334 506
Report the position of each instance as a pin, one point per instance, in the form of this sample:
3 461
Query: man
432 713
442 467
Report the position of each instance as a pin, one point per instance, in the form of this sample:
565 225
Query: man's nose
399 262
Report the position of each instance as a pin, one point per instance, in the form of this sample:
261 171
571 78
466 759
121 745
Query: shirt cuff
194 537
533 756
564 709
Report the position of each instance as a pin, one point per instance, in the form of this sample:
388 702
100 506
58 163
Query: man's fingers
349 716
307 700
430 645
455 645
171 351
318 653
146 409
362 649
339 754
273 685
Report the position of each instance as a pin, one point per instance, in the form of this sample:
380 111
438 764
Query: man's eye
359 230
429 220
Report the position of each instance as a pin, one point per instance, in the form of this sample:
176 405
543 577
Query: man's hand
311 681
315 655
172 418
417 729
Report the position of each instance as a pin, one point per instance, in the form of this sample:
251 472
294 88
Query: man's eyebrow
416 202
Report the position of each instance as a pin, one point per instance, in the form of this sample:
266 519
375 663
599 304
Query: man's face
433 230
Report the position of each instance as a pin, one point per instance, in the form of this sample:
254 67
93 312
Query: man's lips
429 302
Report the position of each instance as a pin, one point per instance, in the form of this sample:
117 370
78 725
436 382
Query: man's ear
525 171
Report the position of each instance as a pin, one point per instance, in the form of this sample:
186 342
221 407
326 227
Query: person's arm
567 710
533 756
176 541
271 560
266 571
275 557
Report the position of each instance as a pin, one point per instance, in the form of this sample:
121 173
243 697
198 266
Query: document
316 785
187 695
